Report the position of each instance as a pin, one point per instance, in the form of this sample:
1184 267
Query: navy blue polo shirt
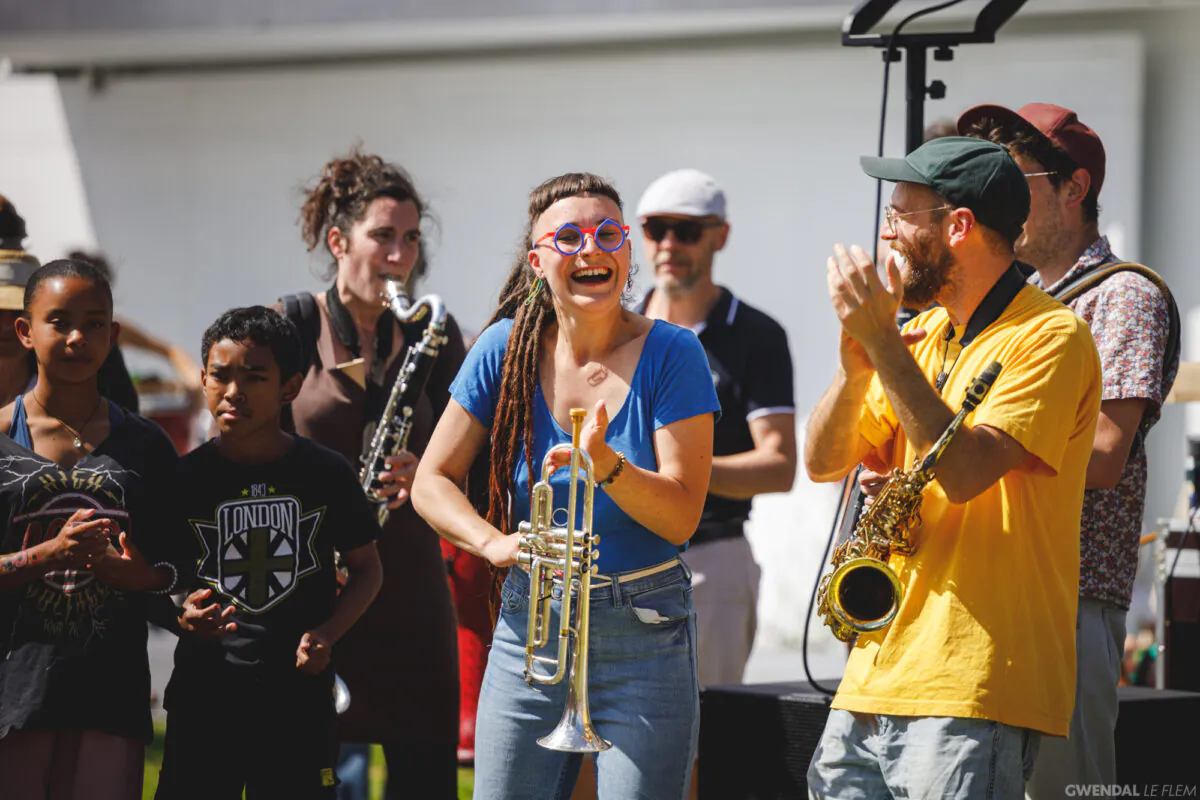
751 369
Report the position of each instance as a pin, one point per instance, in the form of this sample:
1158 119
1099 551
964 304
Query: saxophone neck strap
993 305
347 333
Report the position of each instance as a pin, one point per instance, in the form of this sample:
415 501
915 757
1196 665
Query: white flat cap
688 192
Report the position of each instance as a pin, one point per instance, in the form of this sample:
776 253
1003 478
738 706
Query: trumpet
548 550
862 593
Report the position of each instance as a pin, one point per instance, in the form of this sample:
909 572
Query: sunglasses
687 231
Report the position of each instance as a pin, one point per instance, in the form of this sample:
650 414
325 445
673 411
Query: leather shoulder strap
301 309
1090 280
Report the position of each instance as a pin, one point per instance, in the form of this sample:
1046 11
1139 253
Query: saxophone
395 424
862 593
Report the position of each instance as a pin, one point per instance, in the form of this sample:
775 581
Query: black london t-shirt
265 536
72 648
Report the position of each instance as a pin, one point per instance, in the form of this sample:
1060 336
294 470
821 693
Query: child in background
250 702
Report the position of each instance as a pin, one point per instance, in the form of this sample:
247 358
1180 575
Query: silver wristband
174 577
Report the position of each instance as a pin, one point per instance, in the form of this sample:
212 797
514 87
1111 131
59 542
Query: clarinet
395 425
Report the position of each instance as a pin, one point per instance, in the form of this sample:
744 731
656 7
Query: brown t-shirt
400 661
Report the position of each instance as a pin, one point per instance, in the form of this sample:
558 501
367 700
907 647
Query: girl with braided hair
561 339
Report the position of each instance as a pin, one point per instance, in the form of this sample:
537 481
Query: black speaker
756 741
1156 737
1180 649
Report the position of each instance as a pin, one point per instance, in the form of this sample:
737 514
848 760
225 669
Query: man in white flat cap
683 223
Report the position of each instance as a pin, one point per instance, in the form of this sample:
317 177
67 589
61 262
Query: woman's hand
396 482
502 550
81 540
591 439
206 622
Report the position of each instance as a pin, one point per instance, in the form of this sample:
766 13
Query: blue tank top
18 429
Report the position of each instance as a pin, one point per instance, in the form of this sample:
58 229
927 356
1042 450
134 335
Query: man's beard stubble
677 286
930 265
1052 239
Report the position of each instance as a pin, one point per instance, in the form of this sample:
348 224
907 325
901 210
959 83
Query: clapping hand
81 540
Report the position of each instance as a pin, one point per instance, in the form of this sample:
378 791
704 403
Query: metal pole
914 70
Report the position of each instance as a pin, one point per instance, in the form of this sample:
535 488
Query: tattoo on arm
15 561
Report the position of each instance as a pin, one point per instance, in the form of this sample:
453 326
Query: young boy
250 703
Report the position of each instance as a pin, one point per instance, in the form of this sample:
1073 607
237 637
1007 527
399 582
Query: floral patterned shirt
1130 322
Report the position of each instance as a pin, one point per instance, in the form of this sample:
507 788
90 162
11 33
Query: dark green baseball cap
970 173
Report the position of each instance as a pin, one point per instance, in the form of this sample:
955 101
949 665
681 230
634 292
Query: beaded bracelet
616 471
174 578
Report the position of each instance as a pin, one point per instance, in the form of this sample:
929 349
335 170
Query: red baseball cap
1060 125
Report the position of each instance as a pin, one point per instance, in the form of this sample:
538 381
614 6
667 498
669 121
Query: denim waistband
613 593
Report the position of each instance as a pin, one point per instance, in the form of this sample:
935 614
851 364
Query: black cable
838 517
1189 531
887 69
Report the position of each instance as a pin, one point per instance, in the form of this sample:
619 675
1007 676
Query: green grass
377 771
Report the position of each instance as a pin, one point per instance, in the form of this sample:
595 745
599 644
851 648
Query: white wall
38 170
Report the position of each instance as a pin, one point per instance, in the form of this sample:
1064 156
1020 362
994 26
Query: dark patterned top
1130 322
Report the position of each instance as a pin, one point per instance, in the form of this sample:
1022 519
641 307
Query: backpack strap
301 309
1089 280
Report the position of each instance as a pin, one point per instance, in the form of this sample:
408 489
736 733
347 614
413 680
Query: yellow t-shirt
986 627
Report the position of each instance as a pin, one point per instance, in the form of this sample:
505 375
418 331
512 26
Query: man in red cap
1136 327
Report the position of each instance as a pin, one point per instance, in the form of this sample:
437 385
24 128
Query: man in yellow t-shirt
951 698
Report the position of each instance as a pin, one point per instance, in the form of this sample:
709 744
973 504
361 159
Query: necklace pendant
78 444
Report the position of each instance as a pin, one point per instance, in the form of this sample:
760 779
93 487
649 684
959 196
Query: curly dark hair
65 268
262 326
341 196
1028 142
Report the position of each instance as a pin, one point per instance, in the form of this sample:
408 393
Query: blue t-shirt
671 382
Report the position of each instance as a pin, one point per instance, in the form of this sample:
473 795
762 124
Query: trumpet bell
864 595
574 733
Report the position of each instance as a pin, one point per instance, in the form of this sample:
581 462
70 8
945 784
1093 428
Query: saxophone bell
863 596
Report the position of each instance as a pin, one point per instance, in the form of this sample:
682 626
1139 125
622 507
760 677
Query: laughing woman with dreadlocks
559 340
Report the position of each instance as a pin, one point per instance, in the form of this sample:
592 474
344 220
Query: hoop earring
535 290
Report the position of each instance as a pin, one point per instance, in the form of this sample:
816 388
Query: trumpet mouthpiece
578 415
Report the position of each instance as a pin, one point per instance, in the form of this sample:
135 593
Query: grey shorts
865 756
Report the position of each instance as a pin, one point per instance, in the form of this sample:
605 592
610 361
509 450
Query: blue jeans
353 763
875 755
644 696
